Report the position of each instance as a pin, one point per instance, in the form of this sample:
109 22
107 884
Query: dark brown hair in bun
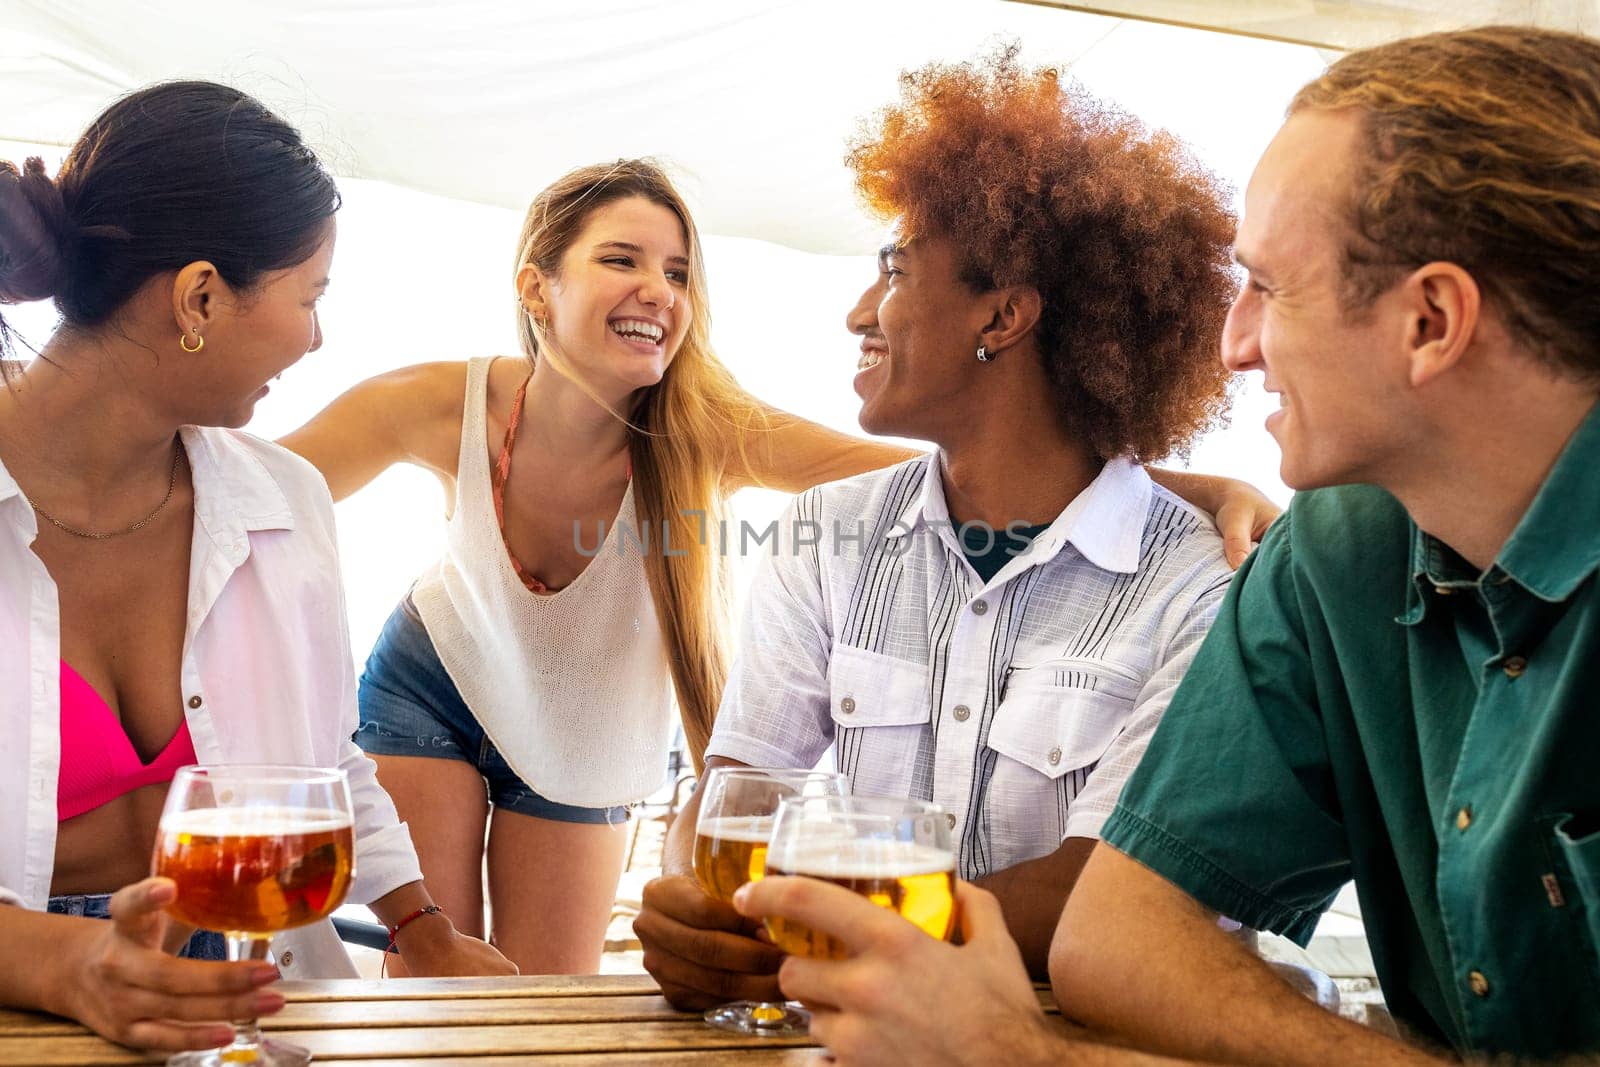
172 174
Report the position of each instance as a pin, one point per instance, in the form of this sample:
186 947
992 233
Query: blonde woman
524 689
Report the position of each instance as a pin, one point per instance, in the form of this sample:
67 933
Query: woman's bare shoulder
421 389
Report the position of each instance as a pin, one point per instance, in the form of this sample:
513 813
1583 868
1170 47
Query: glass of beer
255 850
896 853
730 848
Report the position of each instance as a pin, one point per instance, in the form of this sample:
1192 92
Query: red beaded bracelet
394 931
431 909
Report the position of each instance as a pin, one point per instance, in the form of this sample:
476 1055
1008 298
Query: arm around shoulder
408 415
778 450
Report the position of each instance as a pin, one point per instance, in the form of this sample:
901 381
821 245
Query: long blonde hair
679 436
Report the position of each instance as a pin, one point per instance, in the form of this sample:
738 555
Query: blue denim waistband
202 945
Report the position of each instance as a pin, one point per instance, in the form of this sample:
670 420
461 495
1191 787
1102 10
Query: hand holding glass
255 850
730 848
896 853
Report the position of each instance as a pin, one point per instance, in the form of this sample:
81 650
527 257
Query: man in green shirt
1402 686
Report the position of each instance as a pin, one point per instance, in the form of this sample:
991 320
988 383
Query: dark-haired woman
169 589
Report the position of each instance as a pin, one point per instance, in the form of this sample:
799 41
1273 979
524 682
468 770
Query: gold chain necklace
172 482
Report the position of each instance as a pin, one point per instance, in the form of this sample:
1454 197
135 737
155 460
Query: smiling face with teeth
618 308
1346 409
920 326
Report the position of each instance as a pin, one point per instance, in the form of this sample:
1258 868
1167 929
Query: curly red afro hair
1125 236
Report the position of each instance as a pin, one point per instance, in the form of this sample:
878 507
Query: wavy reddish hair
1124 235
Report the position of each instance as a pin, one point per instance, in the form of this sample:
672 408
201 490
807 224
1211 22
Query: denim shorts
410 707
202 944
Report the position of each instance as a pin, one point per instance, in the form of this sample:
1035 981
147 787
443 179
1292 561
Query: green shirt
1366 708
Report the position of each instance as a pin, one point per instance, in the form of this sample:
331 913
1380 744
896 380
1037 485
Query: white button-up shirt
267 673
1020 704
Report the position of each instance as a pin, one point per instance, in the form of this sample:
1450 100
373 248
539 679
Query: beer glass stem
246 1033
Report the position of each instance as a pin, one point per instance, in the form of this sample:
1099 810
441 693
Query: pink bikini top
98 763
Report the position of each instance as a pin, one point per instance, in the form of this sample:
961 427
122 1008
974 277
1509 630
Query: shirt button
195 701
1443 590
1464 818
288 959
1478 984
961 711
980 606
848 705
1514 666
1054 757
950 818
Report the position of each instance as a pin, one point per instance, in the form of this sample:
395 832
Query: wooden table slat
605 1020
524 1038
426 1041
739 1057
484 1011
554 985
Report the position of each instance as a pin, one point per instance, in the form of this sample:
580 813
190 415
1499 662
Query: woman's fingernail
268 1002
266 974
741 895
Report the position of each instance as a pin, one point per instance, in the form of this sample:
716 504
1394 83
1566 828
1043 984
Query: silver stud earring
983 354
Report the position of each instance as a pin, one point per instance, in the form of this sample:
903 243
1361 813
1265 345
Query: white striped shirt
1020 704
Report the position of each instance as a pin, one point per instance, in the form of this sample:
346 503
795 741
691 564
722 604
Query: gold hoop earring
183 342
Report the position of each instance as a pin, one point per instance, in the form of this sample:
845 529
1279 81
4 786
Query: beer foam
254 822
751 829
858 858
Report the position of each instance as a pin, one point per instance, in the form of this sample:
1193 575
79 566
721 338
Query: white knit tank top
572 687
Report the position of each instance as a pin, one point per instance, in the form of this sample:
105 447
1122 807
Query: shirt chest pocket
880 712
1061 715
1577 840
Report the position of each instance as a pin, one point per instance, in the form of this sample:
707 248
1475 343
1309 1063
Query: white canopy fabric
750 100
1345 24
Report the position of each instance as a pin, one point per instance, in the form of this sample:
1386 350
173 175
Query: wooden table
472 1022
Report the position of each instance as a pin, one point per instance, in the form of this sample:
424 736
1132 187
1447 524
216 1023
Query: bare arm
791 454
114 978
431 945
408 415
1032 895
1137 957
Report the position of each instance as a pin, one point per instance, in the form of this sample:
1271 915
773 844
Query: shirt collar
234 494
1556 546
1553 549
14 504
1105 522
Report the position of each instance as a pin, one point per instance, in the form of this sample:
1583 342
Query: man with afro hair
996 626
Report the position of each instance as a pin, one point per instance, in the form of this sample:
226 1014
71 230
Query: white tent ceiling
1341 24
750 100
